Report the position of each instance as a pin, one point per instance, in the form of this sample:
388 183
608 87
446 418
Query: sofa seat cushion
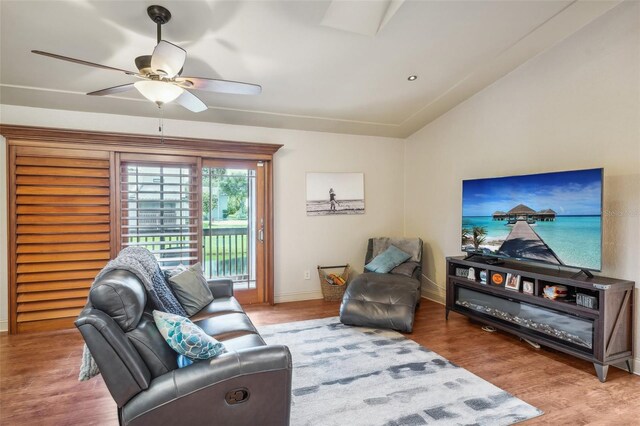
221 306
244 342
227 326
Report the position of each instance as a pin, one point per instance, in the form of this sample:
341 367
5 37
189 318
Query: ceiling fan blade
167 59
221 86
191 102
112 90
81 62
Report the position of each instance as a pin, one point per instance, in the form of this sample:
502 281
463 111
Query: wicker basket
332 292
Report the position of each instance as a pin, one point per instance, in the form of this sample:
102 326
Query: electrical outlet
307 275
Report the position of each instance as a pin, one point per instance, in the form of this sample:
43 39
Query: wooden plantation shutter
160 206
61 233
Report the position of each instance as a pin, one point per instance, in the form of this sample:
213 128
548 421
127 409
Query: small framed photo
513 282
527 286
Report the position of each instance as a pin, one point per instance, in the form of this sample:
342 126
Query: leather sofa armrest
263 372
222 287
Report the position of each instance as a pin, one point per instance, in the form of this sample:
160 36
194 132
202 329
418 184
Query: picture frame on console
527 286
513 282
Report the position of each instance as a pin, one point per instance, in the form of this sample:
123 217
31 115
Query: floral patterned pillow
185 337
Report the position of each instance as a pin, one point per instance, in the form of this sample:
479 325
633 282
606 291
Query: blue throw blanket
143 264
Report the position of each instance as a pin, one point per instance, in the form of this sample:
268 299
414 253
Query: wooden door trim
129 142
11 241
269 234
228 163
261 223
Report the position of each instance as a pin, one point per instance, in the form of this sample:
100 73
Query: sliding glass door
233 225
187 210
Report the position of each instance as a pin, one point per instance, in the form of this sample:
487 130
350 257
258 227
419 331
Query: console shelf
600 332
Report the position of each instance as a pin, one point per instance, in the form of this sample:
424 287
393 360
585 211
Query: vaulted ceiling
335 66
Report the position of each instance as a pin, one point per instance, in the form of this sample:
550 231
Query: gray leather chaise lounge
385 300
249 384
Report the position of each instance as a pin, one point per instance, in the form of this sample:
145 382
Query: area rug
346 375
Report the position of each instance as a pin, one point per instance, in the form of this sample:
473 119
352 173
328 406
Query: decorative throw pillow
185 337
168 273
191 289
387 260
184 361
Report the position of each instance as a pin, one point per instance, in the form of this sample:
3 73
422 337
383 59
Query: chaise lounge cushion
381 301
408 269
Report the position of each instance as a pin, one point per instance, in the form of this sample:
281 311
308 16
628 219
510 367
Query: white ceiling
318 68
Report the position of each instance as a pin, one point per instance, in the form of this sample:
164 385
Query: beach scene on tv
551 217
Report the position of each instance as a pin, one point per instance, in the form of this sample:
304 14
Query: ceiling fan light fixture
158 91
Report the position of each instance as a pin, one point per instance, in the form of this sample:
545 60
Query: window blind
159 210
62 234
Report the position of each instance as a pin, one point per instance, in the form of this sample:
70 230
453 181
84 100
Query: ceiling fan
160 73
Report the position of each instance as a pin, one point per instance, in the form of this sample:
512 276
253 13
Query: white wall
574 106
301 242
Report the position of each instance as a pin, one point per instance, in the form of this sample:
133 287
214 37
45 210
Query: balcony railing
225 253
224 250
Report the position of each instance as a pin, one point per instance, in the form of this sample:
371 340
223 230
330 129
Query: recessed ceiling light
412 78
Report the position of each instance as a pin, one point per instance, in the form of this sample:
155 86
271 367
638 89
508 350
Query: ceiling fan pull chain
161 123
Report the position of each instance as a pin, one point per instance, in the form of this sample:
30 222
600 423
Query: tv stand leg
446 317
470 255
582 271
601 371
628 362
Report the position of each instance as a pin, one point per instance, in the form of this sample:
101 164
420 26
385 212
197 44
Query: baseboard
298 296
4 325
432 291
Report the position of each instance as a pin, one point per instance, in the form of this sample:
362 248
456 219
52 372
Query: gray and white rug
362 376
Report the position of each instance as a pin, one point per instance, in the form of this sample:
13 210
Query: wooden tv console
602 334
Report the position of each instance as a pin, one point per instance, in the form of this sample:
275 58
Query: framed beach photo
335 194
513 282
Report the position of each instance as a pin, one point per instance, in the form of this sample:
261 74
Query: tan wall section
575 106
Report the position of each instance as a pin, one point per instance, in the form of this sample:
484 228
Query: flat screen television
552 218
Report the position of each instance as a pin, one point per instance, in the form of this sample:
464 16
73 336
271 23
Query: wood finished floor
38 372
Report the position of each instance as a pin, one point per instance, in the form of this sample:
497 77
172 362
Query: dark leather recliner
385 300
249 384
